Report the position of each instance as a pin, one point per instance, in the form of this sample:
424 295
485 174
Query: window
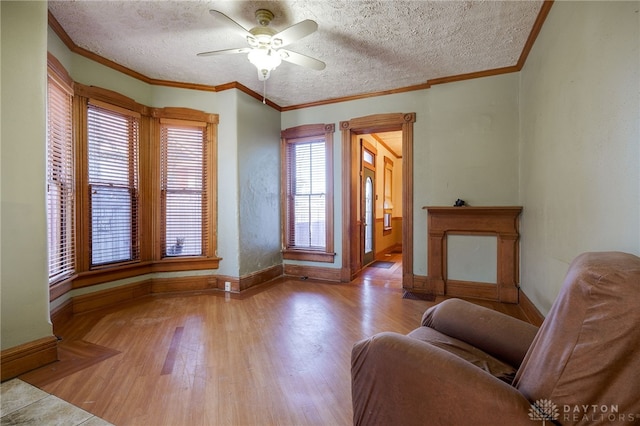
307 190
112 147
60 179
368 157
388 194
183 188
308 195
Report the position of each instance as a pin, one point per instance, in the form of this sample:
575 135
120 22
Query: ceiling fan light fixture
253 42
265 50
265 60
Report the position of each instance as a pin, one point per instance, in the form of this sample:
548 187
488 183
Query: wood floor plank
276 355
170 360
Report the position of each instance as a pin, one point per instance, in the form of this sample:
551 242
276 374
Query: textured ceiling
368 46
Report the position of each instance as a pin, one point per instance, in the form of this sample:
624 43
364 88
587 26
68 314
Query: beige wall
24 275
258 149
580 141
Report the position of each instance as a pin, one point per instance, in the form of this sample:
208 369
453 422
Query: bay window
130 189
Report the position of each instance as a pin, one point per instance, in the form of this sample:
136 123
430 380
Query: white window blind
306 194
60 182
113 184
184 192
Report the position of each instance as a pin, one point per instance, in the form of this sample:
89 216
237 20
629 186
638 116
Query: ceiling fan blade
294 33
226 51
224 19
302 60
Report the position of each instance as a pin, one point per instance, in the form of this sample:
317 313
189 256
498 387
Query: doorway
352 231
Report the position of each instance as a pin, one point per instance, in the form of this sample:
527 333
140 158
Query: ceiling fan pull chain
264 91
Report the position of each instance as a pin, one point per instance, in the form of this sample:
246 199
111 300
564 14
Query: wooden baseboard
222 279
248 281
126 293
472 290
28 356
529 309
61 315
182 284
113 296
313 272
260 277
422 284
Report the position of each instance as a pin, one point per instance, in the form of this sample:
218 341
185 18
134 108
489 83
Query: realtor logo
544 409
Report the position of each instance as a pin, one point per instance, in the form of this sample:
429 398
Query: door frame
351 238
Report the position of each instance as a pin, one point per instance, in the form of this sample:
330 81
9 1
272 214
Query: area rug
412 295
382 264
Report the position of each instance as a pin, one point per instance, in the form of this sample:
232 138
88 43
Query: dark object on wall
459 203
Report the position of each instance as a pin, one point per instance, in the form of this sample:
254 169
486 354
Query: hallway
384 275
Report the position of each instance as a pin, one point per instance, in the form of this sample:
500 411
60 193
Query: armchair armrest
404 381
497 334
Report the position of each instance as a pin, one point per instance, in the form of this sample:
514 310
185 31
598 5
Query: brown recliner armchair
470 365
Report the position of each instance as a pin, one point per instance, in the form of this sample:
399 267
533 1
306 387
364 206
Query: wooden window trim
308 131
110 97
133 183
308 255
194 118
88 275
366 164
57 71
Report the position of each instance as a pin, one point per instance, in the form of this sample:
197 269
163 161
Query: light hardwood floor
275 355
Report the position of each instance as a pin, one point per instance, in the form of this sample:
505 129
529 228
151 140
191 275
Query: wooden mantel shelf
500 221
477 212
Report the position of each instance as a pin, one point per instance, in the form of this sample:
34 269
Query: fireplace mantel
503 222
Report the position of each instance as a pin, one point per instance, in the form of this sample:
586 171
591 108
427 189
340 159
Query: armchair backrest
587 352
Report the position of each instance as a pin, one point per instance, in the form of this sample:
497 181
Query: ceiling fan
265 49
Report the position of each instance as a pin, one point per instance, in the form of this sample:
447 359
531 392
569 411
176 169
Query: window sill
309 255
170 264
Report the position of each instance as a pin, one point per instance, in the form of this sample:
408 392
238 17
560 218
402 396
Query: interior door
369 216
